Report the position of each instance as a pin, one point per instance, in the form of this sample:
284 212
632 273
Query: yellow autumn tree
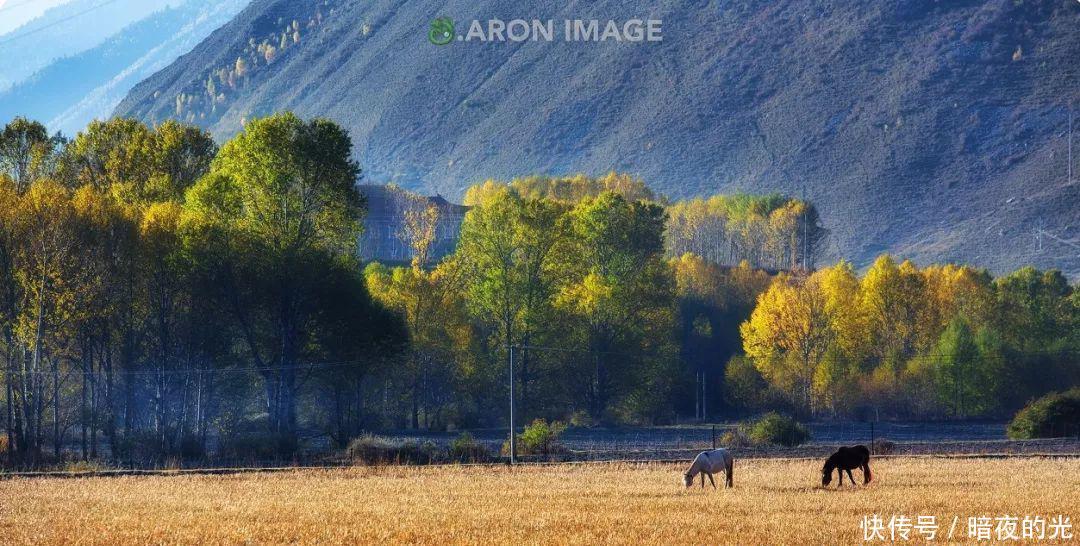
788 335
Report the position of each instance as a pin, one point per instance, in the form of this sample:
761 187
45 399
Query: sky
16 12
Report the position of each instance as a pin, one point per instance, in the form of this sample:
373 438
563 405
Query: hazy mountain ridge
935 130
65 30
71 91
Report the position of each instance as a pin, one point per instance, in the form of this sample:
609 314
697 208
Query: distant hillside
935 130
71 91
66 30
15 13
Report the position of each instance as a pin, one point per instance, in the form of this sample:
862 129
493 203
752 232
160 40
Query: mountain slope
71 91
935 130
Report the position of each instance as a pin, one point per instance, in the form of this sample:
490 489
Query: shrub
539 438
371 449
466 449
1054 415
735 437
773 428
419 453
581 418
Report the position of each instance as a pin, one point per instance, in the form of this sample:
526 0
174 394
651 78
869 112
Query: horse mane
694 466
830 464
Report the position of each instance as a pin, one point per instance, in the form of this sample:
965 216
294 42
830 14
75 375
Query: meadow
774 501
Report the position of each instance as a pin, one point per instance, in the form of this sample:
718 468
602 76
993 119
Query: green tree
27 152
510 249
1037 317
969 368
278 210
620 296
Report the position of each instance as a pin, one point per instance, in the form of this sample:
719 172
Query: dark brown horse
844 460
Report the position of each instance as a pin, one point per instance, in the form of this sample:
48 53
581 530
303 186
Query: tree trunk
10 407
83 399
56 406
35 364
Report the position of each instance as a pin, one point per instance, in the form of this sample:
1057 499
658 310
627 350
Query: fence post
714 436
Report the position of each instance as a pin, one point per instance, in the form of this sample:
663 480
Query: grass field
773 502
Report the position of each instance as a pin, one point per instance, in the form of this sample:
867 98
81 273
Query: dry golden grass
773 502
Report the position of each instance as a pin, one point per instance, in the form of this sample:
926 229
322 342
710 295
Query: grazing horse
844 460
708 462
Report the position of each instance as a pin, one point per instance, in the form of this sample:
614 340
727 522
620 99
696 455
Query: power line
57 22
16 5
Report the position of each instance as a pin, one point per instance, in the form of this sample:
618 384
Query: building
384 237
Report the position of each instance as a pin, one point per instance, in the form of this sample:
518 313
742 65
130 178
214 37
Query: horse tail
731 471
866 467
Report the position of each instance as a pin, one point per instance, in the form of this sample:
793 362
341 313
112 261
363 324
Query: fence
682 442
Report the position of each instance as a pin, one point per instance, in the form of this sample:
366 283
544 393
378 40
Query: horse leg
711 480
840 472
850 478
703 480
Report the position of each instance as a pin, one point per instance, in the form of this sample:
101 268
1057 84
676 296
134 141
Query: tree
26 152
744 387
281 206
621 296
969 369
9 304
419 233
788 335
44 267
432 307
1036 314
767 231
890 297
510 250
712 300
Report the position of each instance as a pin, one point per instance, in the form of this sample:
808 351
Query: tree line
941 341
161 295
611 324
157 290
767 231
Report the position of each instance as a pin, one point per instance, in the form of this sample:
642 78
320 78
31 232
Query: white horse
708 462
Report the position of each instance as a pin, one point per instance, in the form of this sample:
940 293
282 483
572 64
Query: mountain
65 30
71 91
936 130
14 13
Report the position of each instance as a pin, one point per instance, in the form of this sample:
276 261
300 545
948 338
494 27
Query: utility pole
513 439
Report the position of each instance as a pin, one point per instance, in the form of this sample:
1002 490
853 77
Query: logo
547 30
442 31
